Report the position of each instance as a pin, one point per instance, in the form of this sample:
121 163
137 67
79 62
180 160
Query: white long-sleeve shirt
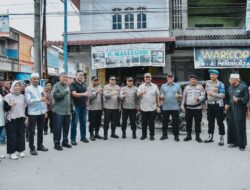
33 95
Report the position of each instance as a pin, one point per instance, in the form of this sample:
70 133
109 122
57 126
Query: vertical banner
52 61
26 62
4 26
248 16
52 58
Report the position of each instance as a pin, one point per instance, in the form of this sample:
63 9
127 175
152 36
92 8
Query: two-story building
210 34
118 37
16 61
122 38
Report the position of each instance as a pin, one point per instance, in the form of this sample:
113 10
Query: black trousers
175 122
195 114
15 131
36 120
131 114
110 116
95 119
62 123
49 120
148 120
214 111
119 115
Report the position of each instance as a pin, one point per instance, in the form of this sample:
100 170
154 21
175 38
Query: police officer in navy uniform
193 97
215 91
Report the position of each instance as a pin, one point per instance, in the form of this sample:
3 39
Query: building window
141 18
129 18
176 14
117 19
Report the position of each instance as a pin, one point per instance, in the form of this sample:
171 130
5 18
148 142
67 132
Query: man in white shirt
37 112
148 93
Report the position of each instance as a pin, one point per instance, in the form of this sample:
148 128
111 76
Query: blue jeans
80 112
2 135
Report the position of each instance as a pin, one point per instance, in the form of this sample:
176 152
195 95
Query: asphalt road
128 164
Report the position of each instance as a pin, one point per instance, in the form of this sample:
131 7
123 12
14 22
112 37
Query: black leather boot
198 139
188 137
210 139
134 134
124 134
105 135
113 135
92 137
97 136
221 142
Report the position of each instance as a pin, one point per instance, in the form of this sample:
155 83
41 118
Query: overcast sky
25 23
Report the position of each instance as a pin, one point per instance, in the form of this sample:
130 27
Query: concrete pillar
167 68
184 14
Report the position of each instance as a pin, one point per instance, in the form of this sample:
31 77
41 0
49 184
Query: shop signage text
129 55
222 58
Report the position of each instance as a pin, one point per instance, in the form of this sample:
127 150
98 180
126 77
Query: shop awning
212 43
112 41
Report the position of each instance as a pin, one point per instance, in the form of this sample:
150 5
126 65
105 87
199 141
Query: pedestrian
129 105
79 95
36 112
62 108
23 86
2 121
248 104
48 120
6 88
171 94
95 109
148 94
215 91
111 107
4 91
14 105
193 98
236 101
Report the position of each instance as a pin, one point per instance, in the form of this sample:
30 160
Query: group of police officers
168 100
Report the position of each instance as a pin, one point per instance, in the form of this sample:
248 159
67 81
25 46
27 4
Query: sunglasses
147 77
130 80
170 76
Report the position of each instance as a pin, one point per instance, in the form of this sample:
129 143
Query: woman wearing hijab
14 104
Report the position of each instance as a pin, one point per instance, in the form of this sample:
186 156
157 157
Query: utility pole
37 37
65 48
44 38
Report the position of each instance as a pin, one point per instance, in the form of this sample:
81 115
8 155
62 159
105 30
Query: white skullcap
34 75
234 76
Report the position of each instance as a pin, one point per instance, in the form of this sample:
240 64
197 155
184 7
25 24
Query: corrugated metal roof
112 41
211 43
